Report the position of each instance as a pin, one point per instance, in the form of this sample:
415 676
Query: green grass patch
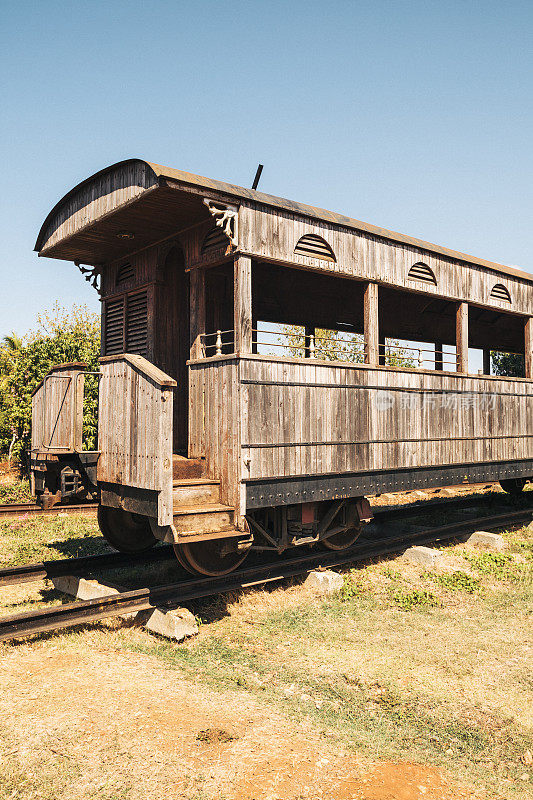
501 566
37 538
354 585
457 581
408 599
18 492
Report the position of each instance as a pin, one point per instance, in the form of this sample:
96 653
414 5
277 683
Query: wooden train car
259 376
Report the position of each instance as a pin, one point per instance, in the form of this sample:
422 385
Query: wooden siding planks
272 234
318 418
135 428
57 410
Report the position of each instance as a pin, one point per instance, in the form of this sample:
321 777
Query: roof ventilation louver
500 292
215 239
422 273
313 246
125 274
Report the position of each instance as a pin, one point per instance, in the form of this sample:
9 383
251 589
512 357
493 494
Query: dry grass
305 689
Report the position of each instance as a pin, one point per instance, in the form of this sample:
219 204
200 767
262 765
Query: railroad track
86 564
70 614
20 509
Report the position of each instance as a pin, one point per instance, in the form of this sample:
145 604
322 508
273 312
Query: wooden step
184 468
208 518
195 491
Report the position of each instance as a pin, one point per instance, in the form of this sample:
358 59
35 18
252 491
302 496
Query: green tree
331 345
12 343
62 336
510 364
6 400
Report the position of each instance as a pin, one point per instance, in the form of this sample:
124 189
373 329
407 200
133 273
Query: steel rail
42 570
85 564
70 614
18 509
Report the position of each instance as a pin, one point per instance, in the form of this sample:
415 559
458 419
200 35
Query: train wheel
213 557
513 485
126 532
340 541
347 526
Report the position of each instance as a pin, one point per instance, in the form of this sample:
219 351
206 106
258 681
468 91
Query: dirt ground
109 712
65 715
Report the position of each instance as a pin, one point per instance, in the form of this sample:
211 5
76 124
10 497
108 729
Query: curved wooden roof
157 175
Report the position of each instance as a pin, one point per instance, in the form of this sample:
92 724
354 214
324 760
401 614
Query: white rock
426 556
326 582
81 588
491 541
174 623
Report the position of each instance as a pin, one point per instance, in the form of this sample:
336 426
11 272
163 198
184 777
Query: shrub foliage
62 336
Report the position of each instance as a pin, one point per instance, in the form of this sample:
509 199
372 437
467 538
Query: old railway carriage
219 430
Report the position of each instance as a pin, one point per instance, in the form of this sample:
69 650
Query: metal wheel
513 485
213 557
345 529
126 532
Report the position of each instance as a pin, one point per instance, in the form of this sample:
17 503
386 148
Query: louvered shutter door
137 324
114 327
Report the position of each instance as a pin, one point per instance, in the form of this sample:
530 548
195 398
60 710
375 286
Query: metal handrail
310 344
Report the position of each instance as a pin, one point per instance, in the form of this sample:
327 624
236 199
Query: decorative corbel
225 217
92 275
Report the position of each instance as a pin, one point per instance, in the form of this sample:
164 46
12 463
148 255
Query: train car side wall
274 235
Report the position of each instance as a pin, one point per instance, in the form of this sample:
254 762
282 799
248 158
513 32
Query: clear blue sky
416 116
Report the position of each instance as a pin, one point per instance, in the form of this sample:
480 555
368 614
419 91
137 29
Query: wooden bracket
225 218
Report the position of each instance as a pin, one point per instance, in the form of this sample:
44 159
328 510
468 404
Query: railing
217 343
57 410
135 435
415 357
342 346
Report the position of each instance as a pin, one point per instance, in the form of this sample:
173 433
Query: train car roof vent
500 292
313 246
422 273
215 239
125 273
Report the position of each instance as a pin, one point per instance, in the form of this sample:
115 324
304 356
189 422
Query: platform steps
196 500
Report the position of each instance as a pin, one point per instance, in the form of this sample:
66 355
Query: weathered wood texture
98 197
242 304
135 428
371 323
461 336
528 347
197 312
214 428
323 418
273 234
57 410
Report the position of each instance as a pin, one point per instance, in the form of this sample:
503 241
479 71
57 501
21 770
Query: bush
62 336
